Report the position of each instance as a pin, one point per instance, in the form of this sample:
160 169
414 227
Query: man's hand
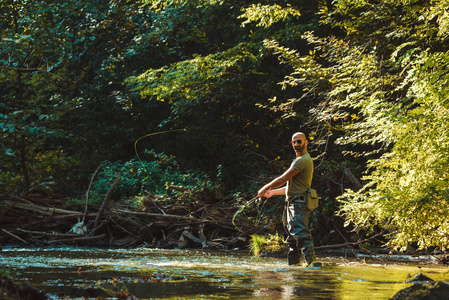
268 194
262 192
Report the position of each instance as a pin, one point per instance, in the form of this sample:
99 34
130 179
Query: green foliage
31 111
406 189
164 4
410 181
139 177
192 79
221 73
382 89
267 15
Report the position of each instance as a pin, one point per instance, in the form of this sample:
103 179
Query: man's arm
279 191
278 181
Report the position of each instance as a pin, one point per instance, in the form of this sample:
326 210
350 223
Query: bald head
297 135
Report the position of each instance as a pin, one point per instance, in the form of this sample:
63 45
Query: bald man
298 179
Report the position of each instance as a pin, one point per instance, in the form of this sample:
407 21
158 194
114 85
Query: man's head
299 143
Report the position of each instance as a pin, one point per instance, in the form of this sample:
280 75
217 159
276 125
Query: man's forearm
279 191
275 183
278 181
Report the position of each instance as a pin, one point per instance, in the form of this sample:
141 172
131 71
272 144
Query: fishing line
149 176
241 210
151 134
259 211
235 215
148 135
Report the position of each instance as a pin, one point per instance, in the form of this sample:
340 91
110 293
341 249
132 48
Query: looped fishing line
259 211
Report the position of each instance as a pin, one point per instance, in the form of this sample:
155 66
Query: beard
300 148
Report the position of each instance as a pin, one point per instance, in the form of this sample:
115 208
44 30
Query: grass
272 244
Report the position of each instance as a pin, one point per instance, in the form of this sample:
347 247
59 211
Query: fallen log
154 215
204 244
63 218
50 234
80 239
191 219
39 209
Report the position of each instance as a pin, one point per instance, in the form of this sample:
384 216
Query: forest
156 122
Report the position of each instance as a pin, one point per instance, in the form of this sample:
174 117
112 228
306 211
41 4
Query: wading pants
296 223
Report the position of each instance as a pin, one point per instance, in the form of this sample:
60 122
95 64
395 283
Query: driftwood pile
204 222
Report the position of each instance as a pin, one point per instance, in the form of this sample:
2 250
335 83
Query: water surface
197 274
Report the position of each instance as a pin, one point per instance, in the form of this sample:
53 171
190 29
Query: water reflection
155 273
292 285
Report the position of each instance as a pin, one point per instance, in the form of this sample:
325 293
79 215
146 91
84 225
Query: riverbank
151 221
179 221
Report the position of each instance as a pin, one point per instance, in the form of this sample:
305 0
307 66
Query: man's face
298 143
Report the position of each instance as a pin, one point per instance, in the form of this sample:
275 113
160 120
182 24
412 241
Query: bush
140 177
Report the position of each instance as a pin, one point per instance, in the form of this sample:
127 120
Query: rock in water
424 291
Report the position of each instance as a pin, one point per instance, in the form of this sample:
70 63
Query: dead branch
39 209
15 236
105 202
344 245
202 236
193 238
88 190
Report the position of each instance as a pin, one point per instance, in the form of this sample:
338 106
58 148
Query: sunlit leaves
267 15
406 188
164 4
192 79
383 89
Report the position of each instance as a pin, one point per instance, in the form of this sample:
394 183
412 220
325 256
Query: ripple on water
224 274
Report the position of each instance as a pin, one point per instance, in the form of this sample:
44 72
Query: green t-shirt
301 182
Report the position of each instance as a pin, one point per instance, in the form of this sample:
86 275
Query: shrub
140 177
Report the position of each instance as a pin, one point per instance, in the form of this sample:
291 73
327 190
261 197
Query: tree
31 110
63 104
383 92
223 70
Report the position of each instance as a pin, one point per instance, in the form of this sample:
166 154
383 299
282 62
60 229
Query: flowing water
192 274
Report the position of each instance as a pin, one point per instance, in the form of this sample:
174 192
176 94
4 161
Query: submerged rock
420 278
424 291
89 292
12 290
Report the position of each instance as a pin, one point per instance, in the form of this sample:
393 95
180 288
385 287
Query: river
199 274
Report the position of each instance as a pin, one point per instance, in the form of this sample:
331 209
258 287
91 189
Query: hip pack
312 199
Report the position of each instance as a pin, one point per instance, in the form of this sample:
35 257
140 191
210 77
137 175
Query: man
296 214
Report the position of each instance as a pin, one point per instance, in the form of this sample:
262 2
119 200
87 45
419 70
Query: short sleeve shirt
301 182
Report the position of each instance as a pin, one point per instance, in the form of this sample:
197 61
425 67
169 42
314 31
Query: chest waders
296 224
